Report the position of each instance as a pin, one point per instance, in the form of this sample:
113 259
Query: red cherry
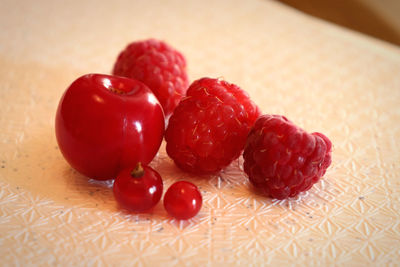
182 200
138 189
107 123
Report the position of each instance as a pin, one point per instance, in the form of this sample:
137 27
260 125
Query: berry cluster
283 160
159 66
208 129
111 126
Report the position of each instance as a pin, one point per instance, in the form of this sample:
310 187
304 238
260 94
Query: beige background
322 77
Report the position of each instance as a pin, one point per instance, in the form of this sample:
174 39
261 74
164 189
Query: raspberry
208 128
159 66
282 160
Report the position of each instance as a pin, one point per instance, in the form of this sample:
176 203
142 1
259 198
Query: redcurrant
182 200
138 190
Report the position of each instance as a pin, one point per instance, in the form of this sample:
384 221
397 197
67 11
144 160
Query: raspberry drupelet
208 128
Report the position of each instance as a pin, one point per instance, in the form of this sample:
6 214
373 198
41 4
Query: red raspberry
208 128
159 66
283 160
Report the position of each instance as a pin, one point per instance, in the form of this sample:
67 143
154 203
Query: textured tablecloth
322 77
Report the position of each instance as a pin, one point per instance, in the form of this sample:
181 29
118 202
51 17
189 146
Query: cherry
107 123
182 200
138 189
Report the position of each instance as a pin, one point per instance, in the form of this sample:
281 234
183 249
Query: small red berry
159 66
182 200
138 190
282 159
208 129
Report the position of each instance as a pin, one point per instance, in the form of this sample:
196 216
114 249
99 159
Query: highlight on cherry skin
107 123
183 200
138 189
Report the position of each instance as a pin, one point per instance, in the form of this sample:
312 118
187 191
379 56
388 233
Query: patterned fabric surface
322 77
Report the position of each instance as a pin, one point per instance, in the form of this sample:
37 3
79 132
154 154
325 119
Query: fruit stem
138 171
116 90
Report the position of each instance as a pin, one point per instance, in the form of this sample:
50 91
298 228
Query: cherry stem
116 91
138 171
